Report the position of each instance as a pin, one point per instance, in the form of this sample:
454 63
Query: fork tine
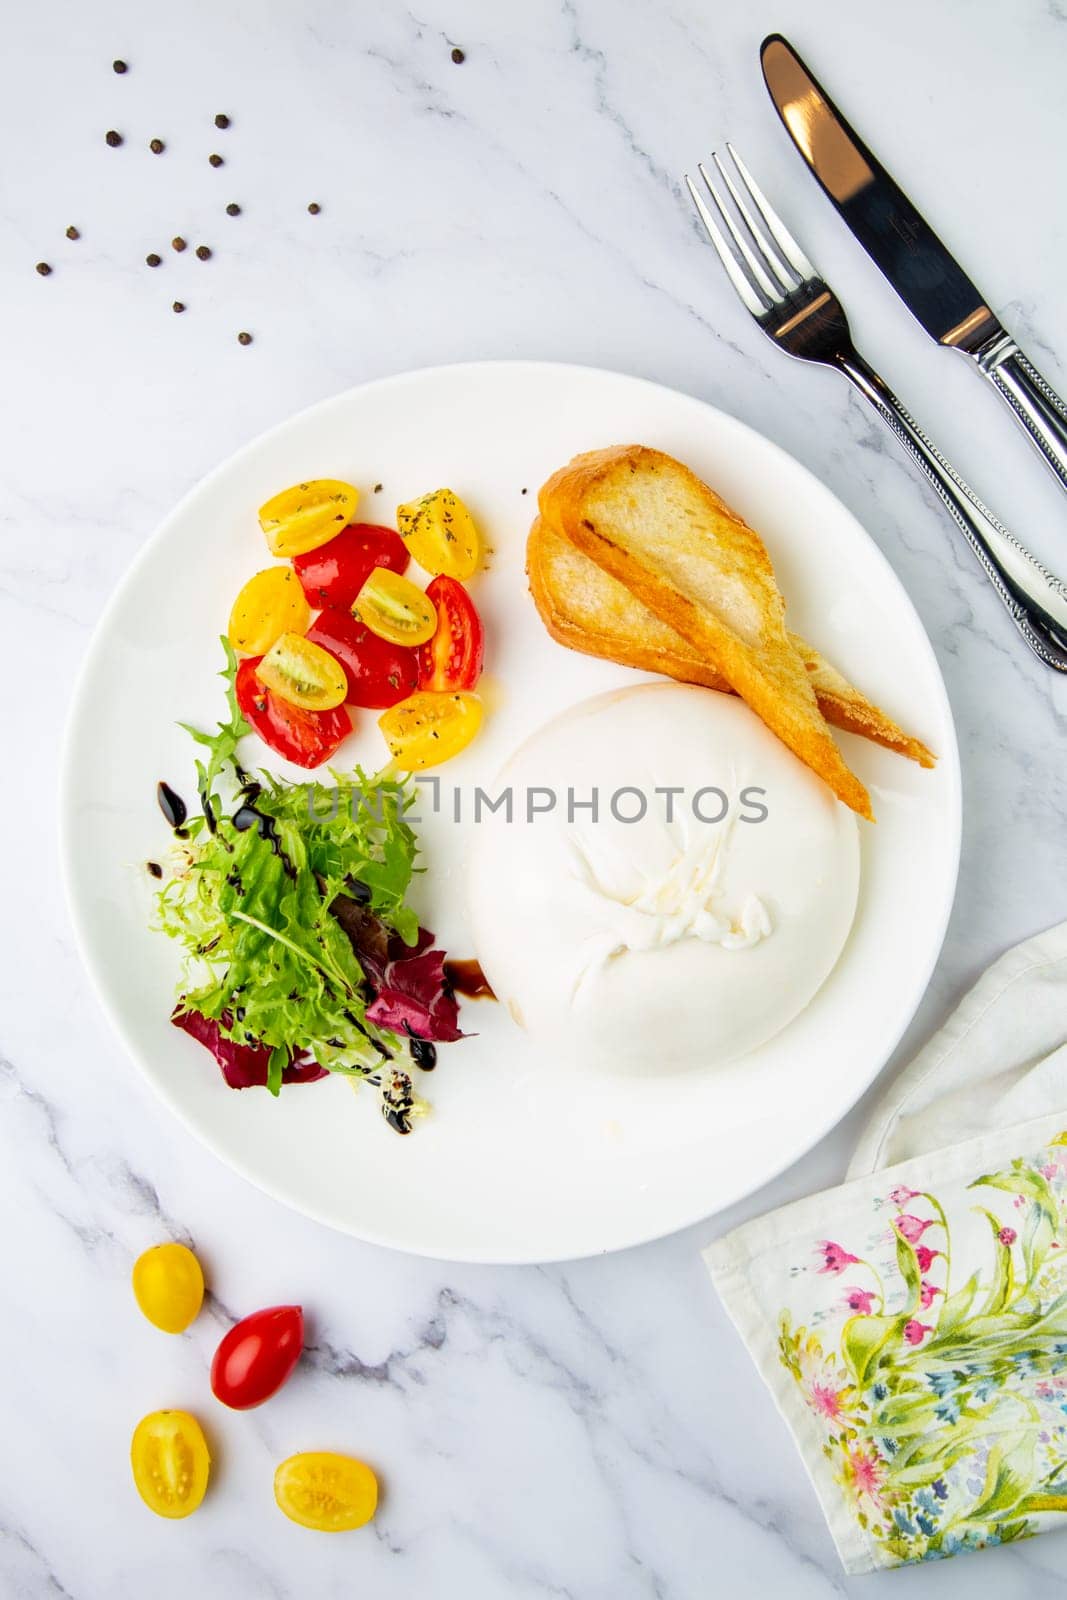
782 236
770 255
771 291
745 287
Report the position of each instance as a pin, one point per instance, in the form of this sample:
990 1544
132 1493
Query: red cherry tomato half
333 575
452 659
255 1358
379 673
306 737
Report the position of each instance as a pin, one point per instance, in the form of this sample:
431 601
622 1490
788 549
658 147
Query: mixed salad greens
302 957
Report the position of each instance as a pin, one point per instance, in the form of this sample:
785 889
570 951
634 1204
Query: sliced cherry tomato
428 728
395 608
334 574
440 533
452 659
379 673
307 515
307 738
256 1356
328 1492
270 604
303 673
171 1462
168 1285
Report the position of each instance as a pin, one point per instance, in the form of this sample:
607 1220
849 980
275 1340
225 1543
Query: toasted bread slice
585 608
650 523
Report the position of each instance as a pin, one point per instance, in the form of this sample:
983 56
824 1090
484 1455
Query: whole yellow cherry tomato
440 533
430 727
325 1491
270 604
303 673
168 1285
396 609
305 516
171 1462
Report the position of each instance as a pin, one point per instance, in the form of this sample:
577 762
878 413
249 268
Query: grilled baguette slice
585 608
650 523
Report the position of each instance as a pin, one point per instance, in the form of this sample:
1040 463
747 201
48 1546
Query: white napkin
912 1324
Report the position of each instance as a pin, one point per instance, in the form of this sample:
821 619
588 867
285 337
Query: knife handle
1035 403
1035 600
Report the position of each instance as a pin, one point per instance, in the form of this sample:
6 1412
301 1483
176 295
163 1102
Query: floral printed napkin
912 1324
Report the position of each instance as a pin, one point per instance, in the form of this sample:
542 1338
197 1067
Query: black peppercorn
112 138
43 268
156 146
178 306
153 260
216 160
203 253
72 232
178 243
314 208
458 56
118 66
244 338
222 120
233 209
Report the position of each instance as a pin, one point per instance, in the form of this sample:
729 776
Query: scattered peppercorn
156 146
43 268
178 306
314 208
177 243
118 66
222 120
153 260
112 138
458 56
233 209
377 488
244 338
154 868
203 253
72 232
524 491
216 160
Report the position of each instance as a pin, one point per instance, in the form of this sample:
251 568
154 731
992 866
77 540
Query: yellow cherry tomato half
430 727
396 609
329 1492
305 516
303 673
270 604
170 1461
168 1285
440 533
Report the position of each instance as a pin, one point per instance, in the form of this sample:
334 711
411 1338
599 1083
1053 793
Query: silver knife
931 284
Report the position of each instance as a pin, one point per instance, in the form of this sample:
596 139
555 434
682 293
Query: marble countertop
593 1431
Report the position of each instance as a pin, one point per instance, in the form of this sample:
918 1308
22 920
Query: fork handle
1035 600
1033 400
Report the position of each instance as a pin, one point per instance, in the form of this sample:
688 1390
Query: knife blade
901 243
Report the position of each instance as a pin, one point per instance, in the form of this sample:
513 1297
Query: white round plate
518 1162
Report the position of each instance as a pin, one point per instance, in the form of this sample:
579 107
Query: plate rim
948 762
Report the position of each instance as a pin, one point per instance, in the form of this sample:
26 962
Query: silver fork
798 310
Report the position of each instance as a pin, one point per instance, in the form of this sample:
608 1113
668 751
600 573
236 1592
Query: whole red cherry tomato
256 1357
333 575
452 659
307 738
379 673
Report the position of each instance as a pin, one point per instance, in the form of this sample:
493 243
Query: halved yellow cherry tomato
395 608
440 533
270 604
170 1461
168 1285
303 673
325 1491
430 727
305 516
